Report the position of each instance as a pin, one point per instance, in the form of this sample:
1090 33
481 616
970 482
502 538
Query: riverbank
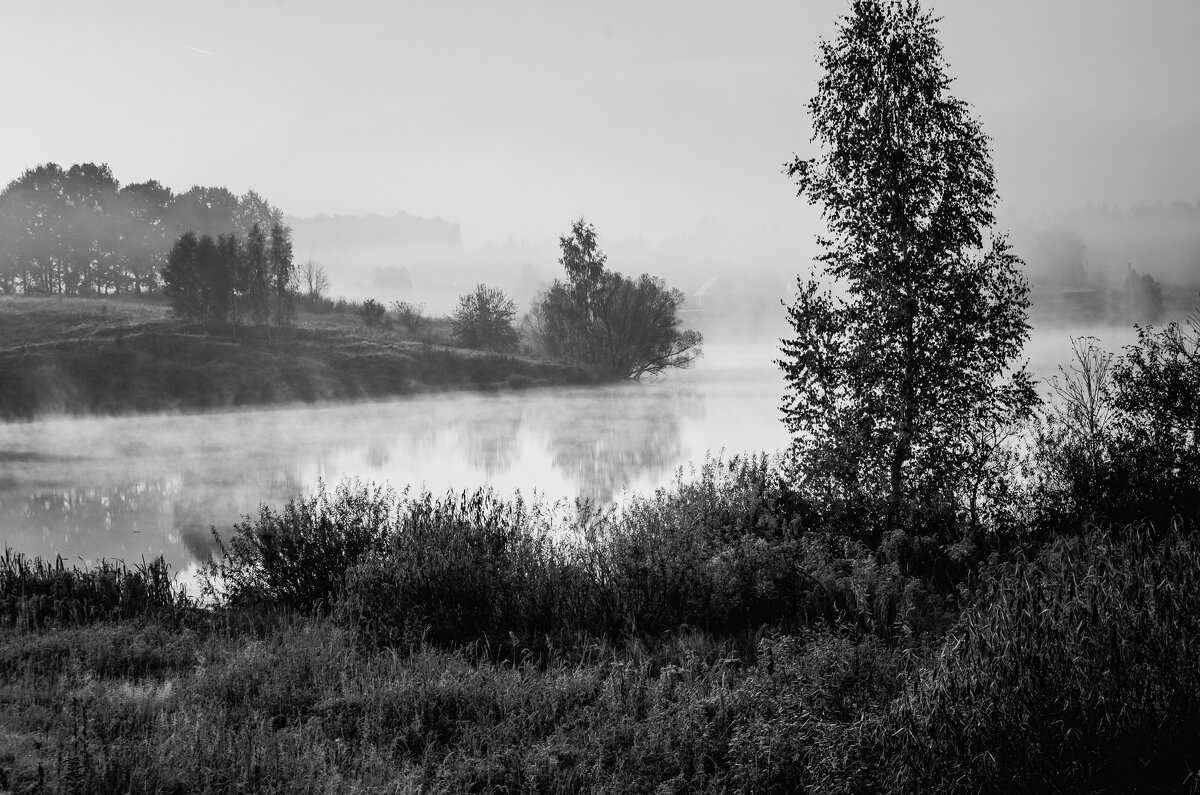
101 357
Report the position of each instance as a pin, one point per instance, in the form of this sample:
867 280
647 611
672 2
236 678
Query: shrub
410 315
371 312
299 558
484 319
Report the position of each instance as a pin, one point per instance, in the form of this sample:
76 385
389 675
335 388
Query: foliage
35 593
371 312
723 552
208 281
78 231
282 274
1076 671
410 315
199 277
484 319
626 328
895 387
299 558
1122 444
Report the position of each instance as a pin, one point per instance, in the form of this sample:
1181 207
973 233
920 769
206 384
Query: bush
371 312
409 315
484 319
299 558
1122 444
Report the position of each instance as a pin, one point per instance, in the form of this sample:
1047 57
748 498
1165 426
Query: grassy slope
111 357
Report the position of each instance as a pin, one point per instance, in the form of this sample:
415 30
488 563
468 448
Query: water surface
141 486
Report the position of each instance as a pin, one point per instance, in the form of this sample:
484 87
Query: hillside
95 356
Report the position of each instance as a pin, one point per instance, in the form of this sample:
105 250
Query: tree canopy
225 280
900 370
78 231
484 319
628 328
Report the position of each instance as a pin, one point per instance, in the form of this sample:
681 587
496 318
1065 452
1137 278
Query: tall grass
1077 671
35 593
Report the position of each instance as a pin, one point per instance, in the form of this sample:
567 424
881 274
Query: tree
199 277
583 261
639 325
895 382
627 328
315 280
484 319
181 278
254 280
283 273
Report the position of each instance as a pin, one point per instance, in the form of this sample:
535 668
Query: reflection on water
134 487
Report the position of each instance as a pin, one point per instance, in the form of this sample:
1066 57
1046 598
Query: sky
513 118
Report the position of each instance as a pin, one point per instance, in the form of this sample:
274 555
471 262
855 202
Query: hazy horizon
511 121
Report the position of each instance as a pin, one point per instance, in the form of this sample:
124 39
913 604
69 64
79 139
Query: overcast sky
512 118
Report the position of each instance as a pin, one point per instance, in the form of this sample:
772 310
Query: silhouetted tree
624 327
583 261
484 319
893 385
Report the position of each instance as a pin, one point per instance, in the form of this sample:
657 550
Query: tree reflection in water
628 433
492 444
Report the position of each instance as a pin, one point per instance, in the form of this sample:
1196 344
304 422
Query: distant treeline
1094 246
78 231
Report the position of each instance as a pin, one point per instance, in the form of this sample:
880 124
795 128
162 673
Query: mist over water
142 486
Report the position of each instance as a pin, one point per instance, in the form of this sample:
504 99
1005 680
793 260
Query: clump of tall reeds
35 592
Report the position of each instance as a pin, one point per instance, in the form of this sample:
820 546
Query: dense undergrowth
725 634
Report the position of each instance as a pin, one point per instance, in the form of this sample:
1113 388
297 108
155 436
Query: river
134 487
